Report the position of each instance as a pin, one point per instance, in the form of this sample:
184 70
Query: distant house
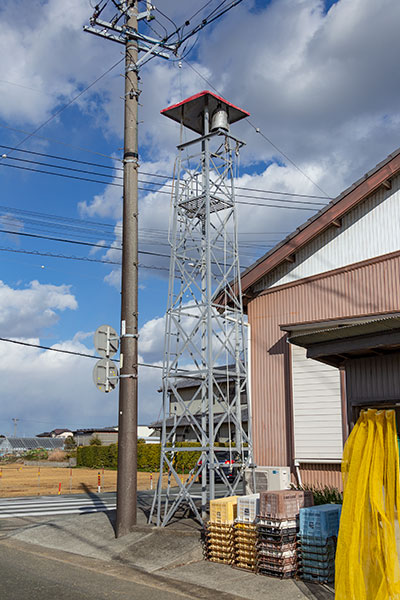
56 433
109 435
17 445
106 435
187 390
148 434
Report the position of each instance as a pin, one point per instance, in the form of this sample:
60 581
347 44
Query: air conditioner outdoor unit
269 479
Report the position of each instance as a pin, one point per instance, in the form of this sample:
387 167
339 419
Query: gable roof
326 217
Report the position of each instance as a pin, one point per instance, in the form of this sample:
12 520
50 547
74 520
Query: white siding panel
370 229
317 408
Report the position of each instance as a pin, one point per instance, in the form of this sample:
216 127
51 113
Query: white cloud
43 48
52 389
27 311
107 204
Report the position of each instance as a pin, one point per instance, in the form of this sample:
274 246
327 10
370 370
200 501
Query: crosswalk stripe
55 512
17 507
62 503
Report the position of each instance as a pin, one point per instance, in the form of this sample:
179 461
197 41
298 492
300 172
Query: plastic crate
279 554
313 552
312 542
248 508
327 572
320 521
278 523
284 504
281 563
223 510
317 578
279 574
282 538
307 563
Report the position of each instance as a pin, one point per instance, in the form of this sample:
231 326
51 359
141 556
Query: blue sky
320 81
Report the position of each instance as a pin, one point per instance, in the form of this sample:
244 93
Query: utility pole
127 415
128 34
15 421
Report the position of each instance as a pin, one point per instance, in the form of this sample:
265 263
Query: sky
321 82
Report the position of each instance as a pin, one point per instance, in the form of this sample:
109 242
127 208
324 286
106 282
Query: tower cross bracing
205 338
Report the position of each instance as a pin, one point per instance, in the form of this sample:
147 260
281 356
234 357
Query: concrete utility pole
134 41
127 417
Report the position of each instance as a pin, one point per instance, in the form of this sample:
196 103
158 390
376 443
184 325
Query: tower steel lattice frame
205 328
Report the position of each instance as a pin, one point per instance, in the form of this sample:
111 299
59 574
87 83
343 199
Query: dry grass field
20 480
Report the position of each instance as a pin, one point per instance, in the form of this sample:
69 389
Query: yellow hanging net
367 561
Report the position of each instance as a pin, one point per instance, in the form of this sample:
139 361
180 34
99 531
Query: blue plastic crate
321 571
328 564
317 578
317 543
320 521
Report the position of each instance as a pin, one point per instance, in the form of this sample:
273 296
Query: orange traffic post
151 481
98 482
59 488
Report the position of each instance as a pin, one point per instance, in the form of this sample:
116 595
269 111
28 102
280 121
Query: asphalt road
25 575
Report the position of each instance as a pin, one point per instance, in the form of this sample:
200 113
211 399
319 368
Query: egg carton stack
319 527
277 529
219 543
246 532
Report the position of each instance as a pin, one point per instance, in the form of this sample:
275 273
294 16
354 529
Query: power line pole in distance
15 421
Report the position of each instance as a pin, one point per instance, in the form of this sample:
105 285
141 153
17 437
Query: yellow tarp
367 564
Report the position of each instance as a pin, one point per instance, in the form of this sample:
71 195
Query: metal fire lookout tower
205 331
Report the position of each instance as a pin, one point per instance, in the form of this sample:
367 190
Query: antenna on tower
204 369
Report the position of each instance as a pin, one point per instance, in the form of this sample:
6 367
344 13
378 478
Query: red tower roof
190 111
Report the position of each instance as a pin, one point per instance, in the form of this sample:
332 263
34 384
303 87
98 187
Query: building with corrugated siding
324 311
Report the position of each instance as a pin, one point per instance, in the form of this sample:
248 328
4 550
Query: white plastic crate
248 507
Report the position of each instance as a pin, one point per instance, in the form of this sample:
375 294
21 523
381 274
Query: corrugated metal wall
377 378
356 291
317 475
354 241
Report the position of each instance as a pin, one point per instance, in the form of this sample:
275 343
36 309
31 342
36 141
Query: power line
73 160
54 141
157 191
208 20
165 177
153 233
74 169
60 110
41 347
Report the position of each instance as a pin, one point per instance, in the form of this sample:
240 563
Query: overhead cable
60 110
72 352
